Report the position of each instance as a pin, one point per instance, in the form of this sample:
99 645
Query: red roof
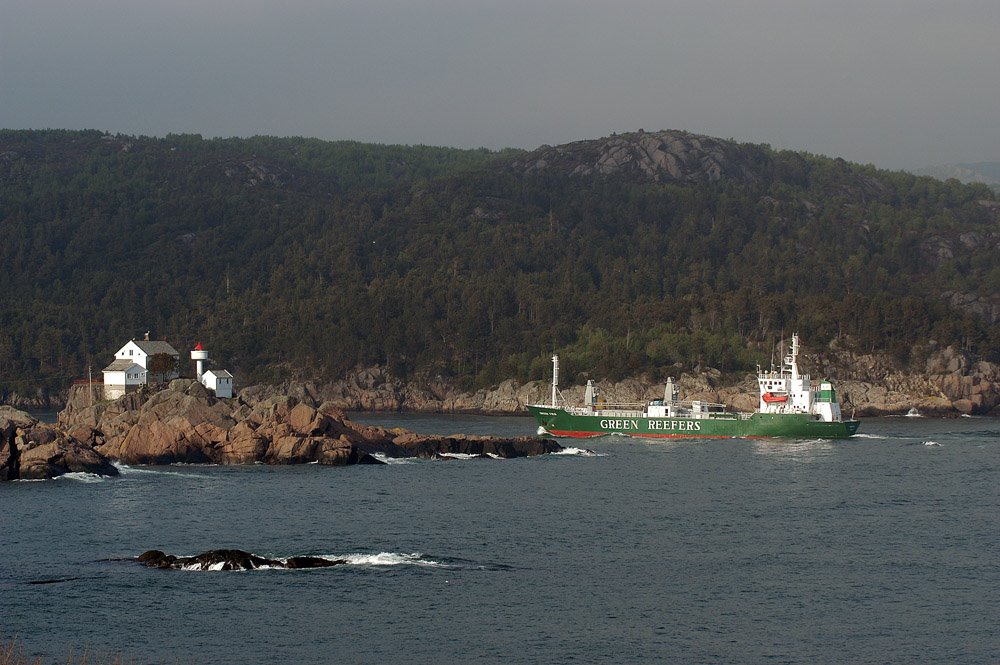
198 348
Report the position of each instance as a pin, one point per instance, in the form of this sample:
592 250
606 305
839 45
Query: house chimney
147 336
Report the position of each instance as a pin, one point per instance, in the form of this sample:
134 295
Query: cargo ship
789 407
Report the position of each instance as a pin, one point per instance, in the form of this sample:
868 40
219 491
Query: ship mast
791 360
555 379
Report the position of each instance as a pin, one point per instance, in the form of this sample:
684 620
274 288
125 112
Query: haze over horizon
900 84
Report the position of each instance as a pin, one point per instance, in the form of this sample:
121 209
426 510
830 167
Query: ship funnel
669 391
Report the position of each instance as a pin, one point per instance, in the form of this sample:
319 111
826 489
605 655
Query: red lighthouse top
198 347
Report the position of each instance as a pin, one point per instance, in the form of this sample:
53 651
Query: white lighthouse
199 355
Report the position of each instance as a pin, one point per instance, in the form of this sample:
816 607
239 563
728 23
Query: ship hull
559 422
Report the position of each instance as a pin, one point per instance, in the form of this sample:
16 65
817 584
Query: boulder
243 445
14 416
63 455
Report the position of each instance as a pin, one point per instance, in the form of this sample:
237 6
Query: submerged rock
230 560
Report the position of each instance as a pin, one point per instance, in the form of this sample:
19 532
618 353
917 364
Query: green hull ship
789 408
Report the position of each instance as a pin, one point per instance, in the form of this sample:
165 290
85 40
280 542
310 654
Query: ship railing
689 404
620 406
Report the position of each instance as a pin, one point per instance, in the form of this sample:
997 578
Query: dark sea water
881 549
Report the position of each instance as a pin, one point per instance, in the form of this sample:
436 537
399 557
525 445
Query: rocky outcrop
184 423
180 424
656 157
985 307
62 455
972 387
231 560
30 450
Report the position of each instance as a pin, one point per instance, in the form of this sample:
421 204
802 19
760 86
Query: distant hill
640 252
987 173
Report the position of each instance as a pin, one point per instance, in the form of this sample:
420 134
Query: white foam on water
865 435
83 477
386 559
931 443
127 470
459 455
495 456
382 457
579 452
382 559
542 431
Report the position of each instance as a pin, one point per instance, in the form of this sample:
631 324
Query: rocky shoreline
183 423
301 423
949 383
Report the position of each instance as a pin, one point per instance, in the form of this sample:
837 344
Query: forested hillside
629 254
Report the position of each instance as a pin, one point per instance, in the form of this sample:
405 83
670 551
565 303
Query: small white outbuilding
123 376
219 381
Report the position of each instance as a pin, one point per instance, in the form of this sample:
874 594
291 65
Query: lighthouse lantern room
199 355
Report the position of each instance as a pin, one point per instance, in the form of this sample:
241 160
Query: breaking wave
579 452
385 459
84 477
932 443
460 455
127 470
387 559
78 476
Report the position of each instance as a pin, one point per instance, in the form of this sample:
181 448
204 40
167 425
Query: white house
140 350
218 380
130 368
123 376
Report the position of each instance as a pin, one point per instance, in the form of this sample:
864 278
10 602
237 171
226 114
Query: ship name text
658 425
674 425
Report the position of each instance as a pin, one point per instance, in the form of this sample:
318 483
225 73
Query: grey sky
896 83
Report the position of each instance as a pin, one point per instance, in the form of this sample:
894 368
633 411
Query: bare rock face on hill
973 387
666 156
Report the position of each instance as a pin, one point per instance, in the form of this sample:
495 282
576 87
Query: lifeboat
774 398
